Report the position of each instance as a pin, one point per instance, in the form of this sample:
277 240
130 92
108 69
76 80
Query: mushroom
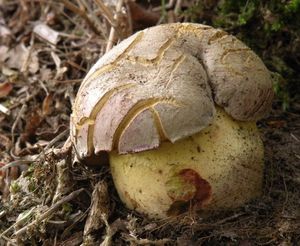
175 107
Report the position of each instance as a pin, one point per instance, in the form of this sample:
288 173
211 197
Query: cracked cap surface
162 84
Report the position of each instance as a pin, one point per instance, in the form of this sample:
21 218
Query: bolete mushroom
175 106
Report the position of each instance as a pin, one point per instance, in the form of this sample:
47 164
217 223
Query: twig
50 211
112 33
177 7
229 218
48 146
81 13
53 141
44 87
67 81
15 164
145 241
106 13
28 214
20 114
4 109
92 15
9 240
25 100
167 6
78 67
294 137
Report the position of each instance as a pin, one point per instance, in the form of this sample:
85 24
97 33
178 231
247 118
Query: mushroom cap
162 84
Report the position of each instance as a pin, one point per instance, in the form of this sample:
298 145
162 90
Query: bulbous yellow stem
219 168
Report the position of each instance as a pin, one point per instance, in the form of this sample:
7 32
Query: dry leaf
33 121
46 74
47 103
5 89
5 142
4 109
3 53
46 33
23 59
4 31
100 209
277 123
59 70
142 17
8 72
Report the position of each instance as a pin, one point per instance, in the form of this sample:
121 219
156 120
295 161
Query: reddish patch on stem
195 200
203 188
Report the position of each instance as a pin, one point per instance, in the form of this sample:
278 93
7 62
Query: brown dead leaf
5 142
33 121
142 17
47 105
5 89
46 74
23 59
276 123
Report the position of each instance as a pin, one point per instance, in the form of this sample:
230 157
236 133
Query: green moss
15 187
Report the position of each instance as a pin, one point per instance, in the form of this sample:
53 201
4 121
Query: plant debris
49 198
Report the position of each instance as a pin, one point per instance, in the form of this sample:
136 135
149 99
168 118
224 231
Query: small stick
16 163
53 141
50 211
177 7
107 13
28 214
9 240
112 33
91 15
81 13
168 6
48 146
4 109
20 114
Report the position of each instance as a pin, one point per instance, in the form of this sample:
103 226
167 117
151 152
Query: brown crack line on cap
93 115
135 111
107 67
159 126
159 56
175 66
220 34
98 108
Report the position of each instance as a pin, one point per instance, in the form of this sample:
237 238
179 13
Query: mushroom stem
218 168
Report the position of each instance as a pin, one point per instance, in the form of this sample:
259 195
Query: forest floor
47 198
